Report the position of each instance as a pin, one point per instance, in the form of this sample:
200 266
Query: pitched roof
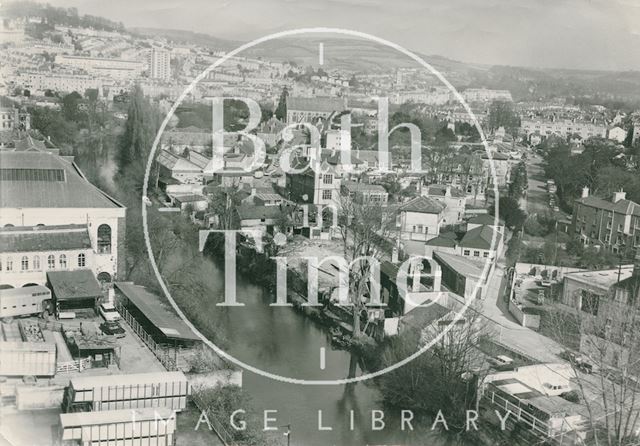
443 241
198 159
175 162
151 306
71 285
480 238
626 207
44 238
44 180
423 205
464 266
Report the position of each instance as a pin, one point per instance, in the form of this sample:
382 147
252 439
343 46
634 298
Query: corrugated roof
44 238
150 305
71 285
423 205
74 192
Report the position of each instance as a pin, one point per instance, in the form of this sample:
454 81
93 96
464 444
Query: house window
82 260
476 253
485 254
24 264
51 261
327 194
327 179
418 229
36 263
63 261
467 252
9 264
104 239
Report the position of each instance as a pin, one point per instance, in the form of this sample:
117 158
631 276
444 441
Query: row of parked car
111 325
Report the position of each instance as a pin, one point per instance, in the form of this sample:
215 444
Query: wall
18 278
33 398
531 321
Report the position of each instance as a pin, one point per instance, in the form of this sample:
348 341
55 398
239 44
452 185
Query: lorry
25 301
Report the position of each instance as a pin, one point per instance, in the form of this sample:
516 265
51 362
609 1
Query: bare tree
604 328
365 227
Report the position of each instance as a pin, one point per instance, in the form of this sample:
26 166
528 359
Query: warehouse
151 426
132 391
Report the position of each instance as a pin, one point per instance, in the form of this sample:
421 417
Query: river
285 342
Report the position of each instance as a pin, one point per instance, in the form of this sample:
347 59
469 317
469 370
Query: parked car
501 361
581 362
112 328
108 311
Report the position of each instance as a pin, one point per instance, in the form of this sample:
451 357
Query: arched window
51 261
24 264
63 261
104 239
9 264
36 263
104 277
82 260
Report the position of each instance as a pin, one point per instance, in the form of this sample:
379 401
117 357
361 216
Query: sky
581 34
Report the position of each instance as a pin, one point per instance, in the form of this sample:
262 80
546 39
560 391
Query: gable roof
44 180
424 205
442 240
44 238
480 238
72 285
625 206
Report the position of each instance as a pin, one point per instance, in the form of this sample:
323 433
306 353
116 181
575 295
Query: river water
285 342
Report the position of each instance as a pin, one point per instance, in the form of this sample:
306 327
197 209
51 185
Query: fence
216 425
159 350
77 365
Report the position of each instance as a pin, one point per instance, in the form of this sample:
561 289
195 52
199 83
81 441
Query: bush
571 396
533 227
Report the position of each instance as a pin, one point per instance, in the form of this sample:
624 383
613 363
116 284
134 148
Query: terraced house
613 224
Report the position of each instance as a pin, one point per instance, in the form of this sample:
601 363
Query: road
536 199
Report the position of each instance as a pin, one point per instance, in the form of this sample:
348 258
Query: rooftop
603 278
109 417
485 219
624 206
150 305
72 285
130 379
317 104
44 238
462 265
440 190
258 212
44 180
481 237
423 205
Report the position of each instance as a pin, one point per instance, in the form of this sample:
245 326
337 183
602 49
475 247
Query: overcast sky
590 34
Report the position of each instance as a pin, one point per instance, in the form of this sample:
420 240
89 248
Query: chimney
620 195
585 192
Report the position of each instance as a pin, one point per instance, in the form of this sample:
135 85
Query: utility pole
288 433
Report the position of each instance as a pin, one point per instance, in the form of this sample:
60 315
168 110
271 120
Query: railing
158 350
222 433
77 365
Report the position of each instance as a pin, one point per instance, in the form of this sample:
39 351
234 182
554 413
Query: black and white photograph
319 223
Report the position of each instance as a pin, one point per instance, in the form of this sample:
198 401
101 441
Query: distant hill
186 37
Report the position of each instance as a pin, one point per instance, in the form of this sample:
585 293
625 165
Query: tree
365 228
604 329
438 379
140 130
281 109
519 181
510 212
70 109
502 114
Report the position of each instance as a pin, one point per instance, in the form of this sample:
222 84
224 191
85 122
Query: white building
617 134
41 189
564 128
159 62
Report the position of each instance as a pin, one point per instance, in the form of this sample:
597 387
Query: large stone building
51 216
